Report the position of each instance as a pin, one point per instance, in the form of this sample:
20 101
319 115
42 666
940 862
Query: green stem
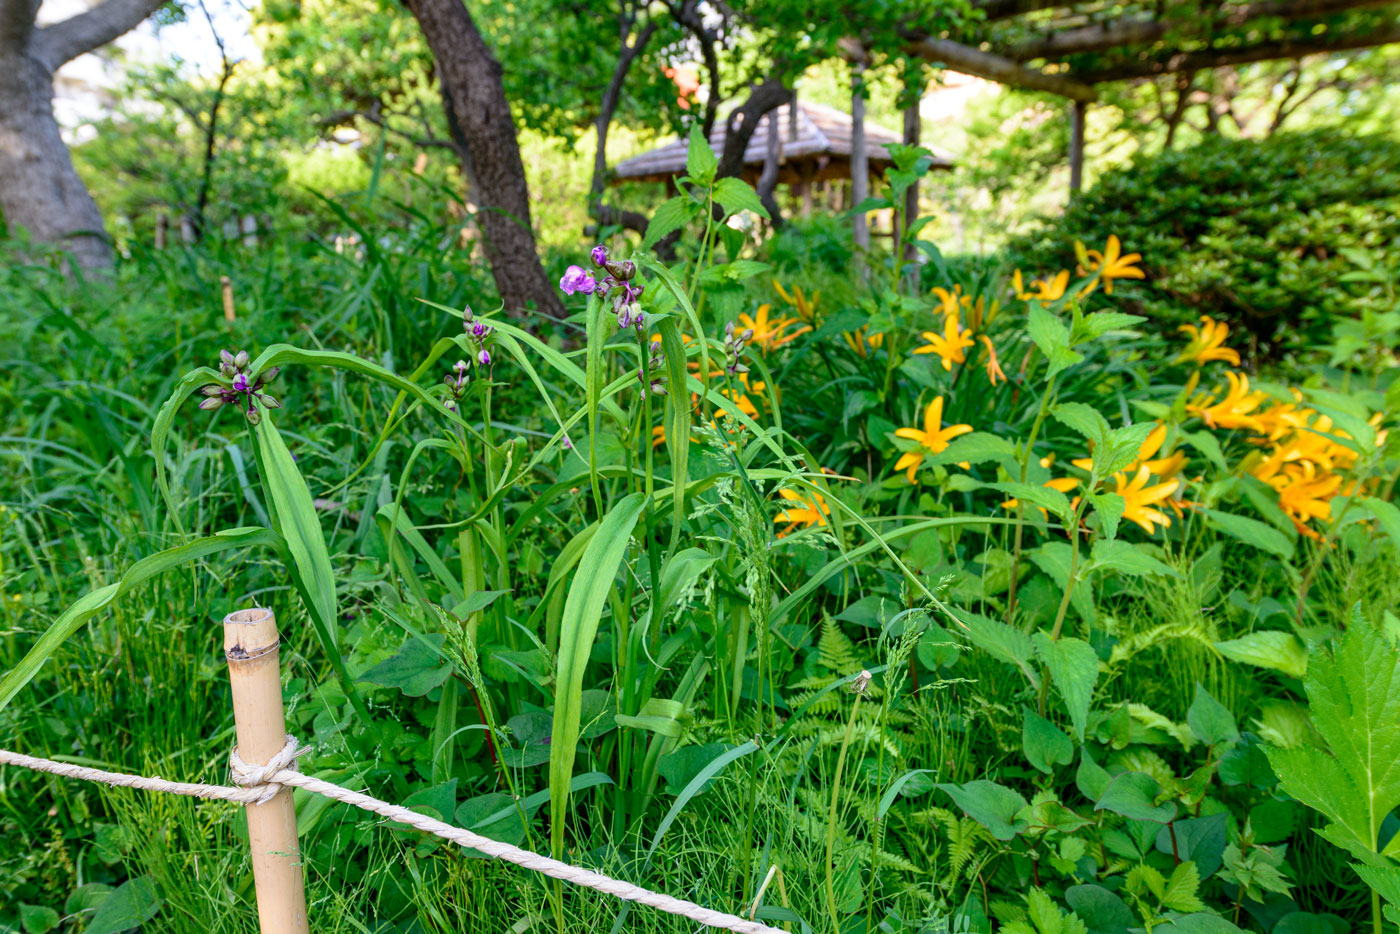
831 818
1026 455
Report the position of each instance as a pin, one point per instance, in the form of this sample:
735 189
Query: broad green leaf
415 669
1281 651
93 602
135 902
1091 778
669 217
1001 641
1082 419
582 609
1127 558
1074 668
1182 885
1120 448
1211 721
1252 532
993 806
1044 744
37 919
896 786
1047 331
1354 697
1199 839
735 195
1133 795
1045 497
1109 508
700 159
977 447
1102 910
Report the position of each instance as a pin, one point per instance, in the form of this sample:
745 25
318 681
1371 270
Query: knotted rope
259 784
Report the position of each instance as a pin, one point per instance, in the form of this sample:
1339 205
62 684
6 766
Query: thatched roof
819 149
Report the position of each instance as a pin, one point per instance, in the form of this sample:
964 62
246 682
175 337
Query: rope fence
260 784
251 647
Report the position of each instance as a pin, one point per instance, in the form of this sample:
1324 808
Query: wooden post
251 647
162 229
860 164
227 286
1076 148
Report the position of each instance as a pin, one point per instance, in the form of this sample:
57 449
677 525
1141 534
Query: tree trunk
471 80
860 165
39 189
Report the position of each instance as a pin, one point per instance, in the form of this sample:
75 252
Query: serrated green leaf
1047 331
735 195
669 217
1045 497
1281 651
700 159
1074 668
1083 419
1001 641
1211 721
1182 885
417 667
1127 558
1252 532
1354 697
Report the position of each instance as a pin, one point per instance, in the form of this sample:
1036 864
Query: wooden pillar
1076 148
913 127
860 162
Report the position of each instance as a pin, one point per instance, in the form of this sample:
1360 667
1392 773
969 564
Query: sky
82 85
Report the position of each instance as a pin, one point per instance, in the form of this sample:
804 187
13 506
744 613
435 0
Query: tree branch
17 23
998 68
65 41
1242 55
740 126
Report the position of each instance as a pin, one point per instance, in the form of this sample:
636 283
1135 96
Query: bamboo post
227 285
251 647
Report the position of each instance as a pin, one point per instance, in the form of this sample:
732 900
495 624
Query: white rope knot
260 777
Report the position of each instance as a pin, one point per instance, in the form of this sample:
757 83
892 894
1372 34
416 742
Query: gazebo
814 151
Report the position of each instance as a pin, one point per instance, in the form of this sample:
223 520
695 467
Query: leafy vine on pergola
1067 49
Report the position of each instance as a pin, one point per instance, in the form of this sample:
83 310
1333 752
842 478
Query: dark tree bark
471 83
39 189
606 214
742 123
768 179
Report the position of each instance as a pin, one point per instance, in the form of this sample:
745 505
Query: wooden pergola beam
1141 31
1242 55
999 68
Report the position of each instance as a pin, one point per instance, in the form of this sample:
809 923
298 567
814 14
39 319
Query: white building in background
85 88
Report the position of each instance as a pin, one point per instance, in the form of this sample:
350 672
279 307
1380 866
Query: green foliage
1252 232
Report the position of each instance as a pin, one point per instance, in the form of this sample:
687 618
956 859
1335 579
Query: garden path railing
265 778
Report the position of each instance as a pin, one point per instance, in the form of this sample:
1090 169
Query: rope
259 784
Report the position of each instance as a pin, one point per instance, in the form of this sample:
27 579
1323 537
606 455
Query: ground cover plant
954 597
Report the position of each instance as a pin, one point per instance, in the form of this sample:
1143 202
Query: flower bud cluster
617 283
479 334
734 341
237 389
655 367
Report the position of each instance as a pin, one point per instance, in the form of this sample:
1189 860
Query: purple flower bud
270 402
599 254
460 366
240 360
213 402
568 442
624 315
575 279
484 357
253 416
269 375
240 383
226 358
624 270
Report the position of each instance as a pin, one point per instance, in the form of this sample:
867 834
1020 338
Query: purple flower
568 442
575 279
240 391
240 383
484 357
599 254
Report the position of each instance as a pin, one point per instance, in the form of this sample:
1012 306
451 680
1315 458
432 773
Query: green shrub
1245 231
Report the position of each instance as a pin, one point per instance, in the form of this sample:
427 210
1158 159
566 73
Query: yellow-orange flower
933 439
1305 494
950 344
1233 411
1044 290
806 308
1139 498
769 334
1207 342
1109 265
994 371
862 343
808 509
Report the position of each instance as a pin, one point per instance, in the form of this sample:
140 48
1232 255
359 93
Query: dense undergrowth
943 598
